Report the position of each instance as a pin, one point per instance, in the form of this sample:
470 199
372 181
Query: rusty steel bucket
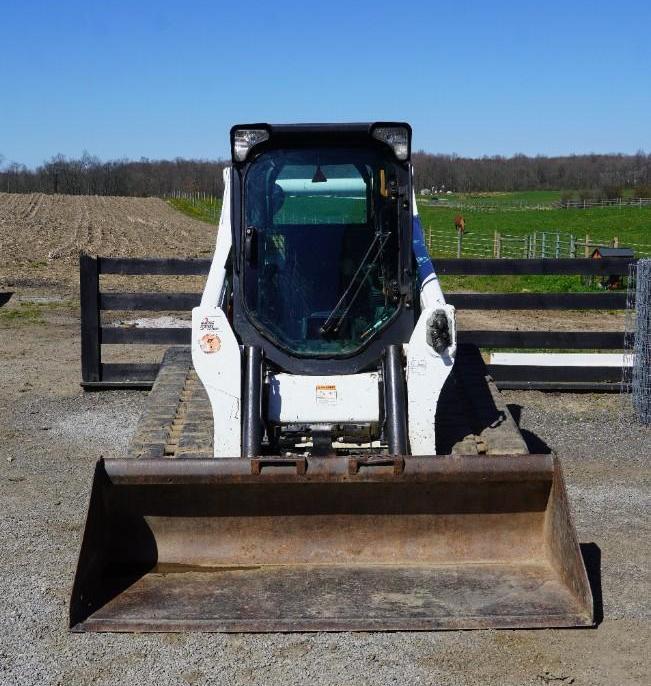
329 544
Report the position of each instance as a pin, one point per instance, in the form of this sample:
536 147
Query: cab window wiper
336 318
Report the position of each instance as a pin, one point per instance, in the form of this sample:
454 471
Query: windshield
321 254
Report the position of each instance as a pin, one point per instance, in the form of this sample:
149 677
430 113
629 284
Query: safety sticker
326 394
417 366
210 343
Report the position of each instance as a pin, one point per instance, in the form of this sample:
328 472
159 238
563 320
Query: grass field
204 210
632 226
515 198
506 198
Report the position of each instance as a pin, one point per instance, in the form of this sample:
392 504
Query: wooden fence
99 375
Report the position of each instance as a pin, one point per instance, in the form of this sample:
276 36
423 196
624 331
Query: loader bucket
329 544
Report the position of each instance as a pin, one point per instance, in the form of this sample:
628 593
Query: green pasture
498 198
632 225
514 199
203 210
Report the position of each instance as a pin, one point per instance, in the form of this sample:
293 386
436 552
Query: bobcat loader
325 457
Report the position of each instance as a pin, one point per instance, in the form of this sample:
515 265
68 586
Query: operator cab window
320 278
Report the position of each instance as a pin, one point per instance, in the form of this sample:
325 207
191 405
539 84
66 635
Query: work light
397 137
245 139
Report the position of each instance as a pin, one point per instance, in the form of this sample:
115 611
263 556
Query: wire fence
479 205
615 202
534 245
442 242
525 205
636 371
194 197
209 204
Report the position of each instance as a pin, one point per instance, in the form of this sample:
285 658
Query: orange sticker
210 343
326 394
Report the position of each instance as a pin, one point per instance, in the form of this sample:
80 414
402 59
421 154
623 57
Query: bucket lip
334 469
577 621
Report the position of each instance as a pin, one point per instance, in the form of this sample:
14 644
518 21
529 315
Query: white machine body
292 399
328 399
427 370
216 357
216 353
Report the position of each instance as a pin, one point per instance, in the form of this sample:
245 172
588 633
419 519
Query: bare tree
520 172
590 174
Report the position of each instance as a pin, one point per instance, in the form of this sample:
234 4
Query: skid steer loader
325 457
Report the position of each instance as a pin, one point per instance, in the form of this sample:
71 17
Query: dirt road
51 434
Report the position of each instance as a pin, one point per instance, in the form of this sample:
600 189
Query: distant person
460 223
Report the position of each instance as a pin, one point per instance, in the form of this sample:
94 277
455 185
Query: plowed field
41 235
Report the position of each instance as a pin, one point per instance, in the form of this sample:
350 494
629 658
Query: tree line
88 175
595 174
605 174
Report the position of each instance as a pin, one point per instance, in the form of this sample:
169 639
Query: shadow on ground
535 444
5 297
591 554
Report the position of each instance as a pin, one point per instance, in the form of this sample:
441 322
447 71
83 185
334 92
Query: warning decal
326 394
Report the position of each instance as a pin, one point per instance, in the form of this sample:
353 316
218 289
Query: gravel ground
51 434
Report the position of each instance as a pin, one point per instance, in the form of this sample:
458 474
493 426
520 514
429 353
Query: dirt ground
41 236
51 434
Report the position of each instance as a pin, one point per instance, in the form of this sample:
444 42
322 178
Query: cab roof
292 135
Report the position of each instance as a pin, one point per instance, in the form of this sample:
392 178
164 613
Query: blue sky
164 79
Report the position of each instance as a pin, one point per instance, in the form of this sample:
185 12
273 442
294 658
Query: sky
162 79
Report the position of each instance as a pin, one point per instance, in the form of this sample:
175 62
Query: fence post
497 245
558 245
535 240
459 243
572 245
586 252
525 247
616 242
91 352
542 245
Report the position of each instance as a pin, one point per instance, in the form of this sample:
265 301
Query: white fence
616 202
546 244
523 205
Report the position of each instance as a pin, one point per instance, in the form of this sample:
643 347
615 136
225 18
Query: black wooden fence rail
99 375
